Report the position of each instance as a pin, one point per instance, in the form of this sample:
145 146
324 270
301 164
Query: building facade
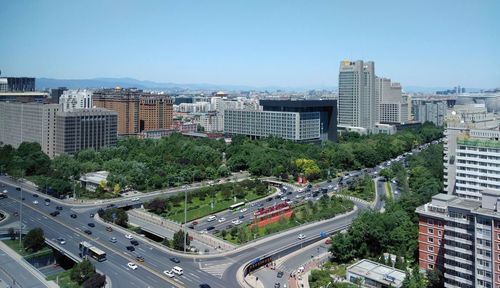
429 110
28 122
137 110
461 237
17 84
471 151
327 110
82 129
358 102
295 126
72 100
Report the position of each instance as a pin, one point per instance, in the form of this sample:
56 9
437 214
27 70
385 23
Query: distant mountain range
45 83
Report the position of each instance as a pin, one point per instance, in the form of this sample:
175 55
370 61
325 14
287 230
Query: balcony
457 239
458 269
458 230
457 259
458 249
458 279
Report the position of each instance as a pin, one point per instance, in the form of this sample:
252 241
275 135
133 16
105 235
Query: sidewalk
17 272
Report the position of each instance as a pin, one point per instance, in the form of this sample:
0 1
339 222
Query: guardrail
278 253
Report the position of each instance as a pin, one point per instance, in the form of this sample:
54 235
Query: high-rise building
28 122
137 110
56 93
358 102
461 237
297 126
17 84
392 109
72 100
472 151
85 128
327 110
432 110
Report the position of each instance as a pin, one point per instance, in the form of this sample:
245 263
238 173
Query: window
430 240
430 257
430 221
430 230
440 233
431 266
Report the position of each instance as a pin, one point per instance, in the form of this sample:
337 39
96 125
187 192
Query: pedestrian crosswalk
215 268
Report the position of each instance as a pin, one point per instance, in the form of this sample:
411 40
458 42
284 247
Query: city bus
88 249
237 205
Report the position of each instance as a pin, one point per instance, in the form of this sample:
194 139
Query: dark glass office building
327 110
17 84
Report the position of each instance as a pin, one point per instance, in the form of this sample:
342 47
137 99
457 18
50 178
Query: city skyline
253 44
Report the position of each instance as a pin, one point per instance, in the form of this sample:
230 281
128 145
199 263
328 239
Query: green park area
63 279
363 188
208 200
327 207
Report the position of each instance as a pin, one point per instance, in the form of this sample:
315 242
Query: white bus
94 252
237 205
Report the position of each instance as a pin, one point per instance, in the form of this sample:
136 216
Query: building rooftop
378 272
95 177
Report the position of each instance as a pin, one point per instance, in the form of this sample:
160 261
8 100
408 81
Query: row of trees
85 275
146 164
396 230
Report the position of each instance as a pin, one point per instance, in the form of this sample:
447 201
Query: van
177 270
211 218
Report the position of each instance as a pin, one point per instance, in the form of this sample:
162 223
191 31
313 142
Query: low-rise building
374 275
91 181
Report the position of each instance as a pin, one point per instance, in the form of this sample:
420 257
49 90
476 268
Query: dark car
277 285
134 242
210 228
191 226
87 231
280 274
204 286
60 208
130 248
111 206
139 258
91 225
54 214
240 217
175 260
35 195
289 193
73 216
329 181
269 199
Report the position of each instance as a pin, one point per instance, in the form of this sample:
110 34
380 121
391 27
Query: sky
283 43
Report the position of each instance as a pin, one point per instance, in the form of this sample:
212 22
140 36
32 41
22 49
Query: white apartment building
392 107
72 100
297 126
471 151
357 99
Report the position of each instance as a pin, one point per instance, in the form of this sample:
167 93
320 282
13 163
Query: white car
129 236
5 191
135 199
132 265
169 273
301 236
280 193
330 186
61 240
236 222
243 210
221 219
35 202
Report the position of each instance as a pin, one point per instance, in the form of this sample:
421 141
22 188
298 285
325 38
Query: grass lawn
64 280
388 192
204 208
362 189
14 245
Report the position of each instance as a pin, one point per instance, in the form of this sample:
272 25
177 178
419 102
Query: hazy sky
281 43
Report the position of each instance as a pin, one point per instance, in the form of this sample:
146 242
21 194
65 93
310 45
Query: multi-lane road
216 270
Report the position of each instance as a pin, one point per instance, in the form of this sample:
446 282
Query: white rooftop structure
374 274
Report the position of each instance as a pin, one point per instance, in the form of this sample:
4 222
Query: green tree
82 271
178 240
34 240
319 278
435 278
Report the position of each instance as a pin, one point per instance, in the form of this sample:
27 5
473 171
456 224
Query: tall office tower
28 122
72 100
472 151
358 103
17 84
86 128
156 112
56 93
461 238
